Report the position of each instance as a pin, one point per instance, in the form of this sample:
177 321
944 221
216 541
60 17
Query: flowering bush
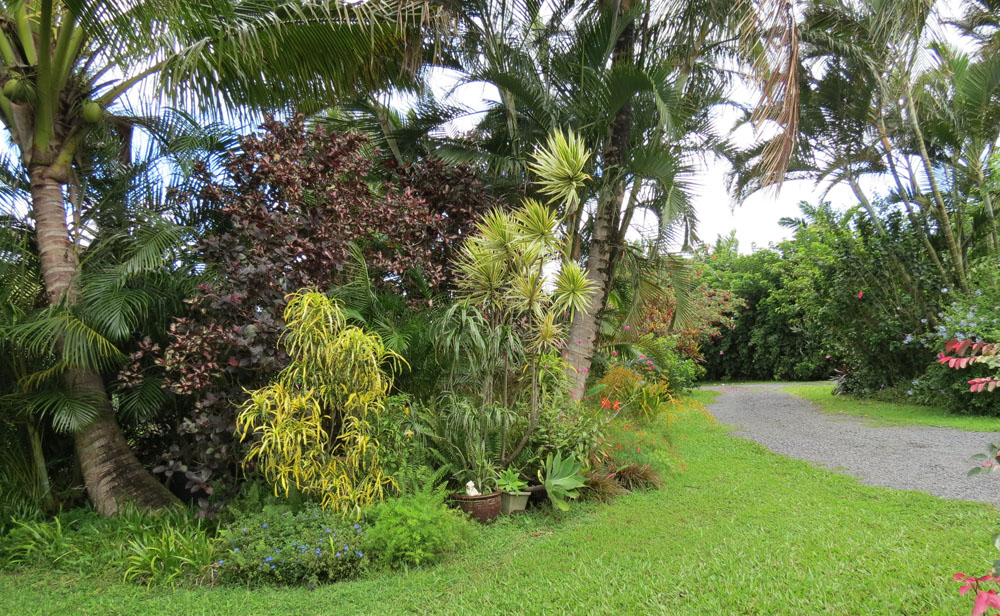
308 547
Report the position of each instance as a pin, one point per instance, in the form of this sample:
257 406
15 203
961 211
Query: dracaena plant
511 298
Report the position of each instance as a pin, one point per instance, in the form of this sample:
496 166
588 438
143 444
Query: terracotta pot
483 507
512 502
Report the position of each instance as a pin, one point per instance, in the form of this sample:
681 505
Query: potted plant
513 498
481 507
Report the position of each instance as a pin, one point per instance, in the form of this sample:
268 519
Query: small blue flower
268 559
236 549
264 525
312 586
221 561
272 566
244 529
923 320
338 554
909 392
328 530
359 554
944 290
317 551
295 543
356 526
277 551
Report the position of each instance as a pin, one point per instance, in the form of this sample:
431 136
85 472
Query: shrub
415 529
312 427
602 486
619 382
574 429
167 554
284 547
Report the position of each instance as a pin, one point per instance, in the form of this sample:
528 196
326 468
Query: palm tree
636 80
64 64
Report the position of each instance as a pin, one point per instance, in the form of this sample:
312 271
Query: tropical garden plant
311 429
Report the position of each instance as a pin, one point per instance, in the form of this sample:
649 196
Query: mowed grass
739 531
890 413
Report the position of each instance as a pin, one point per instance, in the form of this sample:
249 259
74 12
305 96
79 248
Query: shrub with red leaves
286 209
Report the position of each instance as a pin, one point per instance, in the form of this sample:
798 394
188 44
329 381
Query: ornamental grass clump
312 428
310 547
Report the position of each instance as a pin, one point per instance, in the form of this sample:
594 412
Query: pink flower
615 353
828 357
861 294
642 356
627 328
579 341
722 352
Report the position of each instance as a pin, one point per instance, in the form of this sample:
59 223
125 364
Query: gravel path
934 460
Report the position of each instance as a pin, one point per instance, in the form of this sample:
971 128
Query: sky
755 220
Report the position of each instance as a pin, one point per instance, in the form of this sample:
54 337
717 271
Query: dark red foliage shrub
286 210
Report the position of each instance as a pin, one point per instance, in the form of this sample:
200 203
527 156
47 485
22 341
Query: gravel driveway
934 460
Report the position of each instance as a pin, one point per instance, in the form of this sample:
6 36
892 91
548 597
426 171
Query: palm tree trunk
917 224
604 241
946 228
41 470
112 474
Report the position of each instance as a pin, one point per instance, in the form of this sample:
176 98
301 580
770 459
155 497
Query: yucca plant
504 278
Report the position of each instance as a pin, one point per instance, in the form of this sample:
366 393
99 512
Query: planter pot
483 508
512 502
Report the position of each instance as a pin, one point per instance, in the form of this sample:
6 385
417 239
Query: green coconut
19 90
92 112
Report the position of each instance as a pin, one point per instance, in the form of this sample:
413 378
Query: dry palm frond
771 37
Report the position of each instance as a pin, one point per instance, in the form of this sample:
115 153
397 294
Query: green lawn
889 413
740 531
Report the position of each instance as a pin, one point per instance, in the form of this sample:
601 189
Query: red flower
861 294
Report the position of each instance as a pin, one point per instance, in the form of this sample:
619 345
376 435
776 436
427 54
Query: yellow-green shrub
312 427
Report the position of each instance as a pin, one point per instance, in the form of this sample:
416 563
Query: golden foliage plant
313 427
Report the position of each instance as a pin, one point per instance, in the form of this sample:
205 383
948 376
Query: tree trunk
41 470
604 241
111 472
946 226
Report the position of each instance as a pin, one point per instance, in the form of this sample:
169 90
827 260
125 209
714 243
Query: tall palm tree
64 63
636 81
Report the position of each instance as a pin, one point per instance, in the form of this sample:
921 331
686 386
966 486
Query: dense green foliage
415 529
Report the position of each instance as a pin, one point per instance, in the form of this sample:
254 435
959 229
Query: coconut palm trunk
112 474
